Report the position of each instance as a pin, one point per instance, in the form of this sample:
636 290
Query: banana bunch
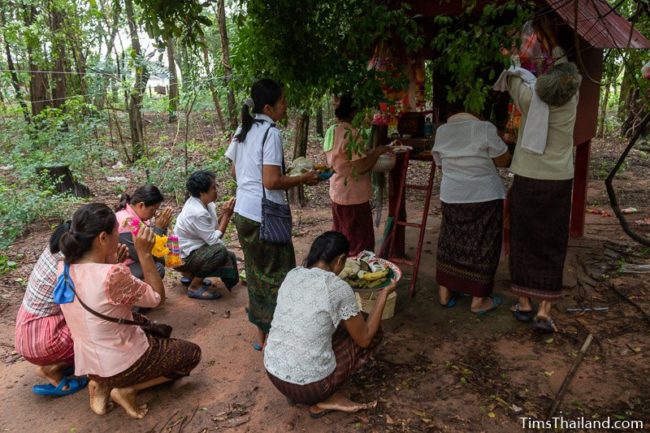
372 276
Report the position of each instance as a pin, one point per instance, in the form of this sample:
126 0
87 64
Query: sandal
203 293
74 384
187 280
496 301
545 325
522 316
453 299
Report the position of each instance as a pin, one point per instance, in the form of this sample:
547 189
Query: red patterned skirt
355 222
469 246
349 359
43 340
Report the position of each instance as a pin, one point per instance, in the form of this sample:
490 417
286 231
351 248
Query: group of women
78 308
472 195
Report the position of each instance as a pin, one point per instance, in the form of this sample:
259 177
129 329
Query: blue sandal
496 301
453 299
523 316
187 280
74 384
203 293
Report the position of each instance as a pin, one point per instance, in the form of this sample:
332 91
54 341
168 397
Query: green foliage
325 48
467 47
23 202
6 265
164 19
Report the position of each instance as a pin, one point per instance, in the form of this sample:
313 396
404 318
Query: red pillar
580 180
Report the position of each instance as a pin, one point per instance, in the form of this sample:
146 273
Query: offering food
366 272
303 165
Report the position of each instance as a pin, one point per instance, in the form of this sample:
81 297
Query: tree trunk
319 120
603 111
38 84
225 60
12 72
61 177
301 134
213 88
135 101
173 80
59 90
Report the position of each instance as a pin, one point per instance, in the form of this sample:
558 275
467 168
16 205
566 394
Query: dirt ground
437 370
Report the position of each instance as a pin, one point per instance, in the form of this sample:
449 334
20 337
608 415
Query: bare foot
99 402
339 403
52 373
125 397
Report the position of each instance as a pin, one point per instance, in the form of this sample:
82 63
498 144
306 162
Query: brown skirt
349 359
168 357
355 222
539 236
469 246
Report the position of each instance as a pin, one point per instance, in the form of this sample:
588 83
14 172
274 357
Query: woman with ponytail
318 336
143 205
42 335
258 166
120 359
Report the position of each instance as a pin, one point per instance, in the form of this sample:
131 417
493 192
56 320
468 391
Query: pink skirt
43 340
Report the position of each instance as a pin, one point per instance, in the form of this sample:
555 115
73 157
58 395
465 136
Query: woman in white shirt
318 337
258 165
471 192
200 235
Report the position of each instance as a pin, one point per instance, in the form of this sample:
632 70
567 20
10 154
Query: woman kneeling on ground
200 235
42 336
119 359
143 205
318 336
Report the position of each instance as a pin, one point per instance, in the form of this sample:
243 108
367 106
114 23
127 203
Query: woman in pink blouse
119 359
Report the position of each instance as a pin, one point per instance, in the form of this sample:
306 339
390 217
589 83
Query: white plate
400 149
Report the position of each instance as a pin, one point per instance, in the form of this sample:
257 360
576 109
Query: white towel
536 126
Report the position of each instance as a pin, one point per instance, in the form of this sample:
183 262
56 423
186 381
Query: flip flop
545 325
199 294
523 316
187 280
496 301
453 299
74 384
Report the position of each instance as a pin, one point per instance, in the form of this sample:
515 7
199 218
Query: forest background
95 85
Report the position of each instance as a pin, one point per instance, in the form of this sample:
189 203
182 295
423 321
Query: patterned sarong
469 246
266 265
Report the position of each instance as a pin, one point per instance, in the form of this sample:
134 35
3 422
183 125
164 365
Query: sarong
266 264
43 340
168 357
355 222
539 236
349 359
212 261
469 246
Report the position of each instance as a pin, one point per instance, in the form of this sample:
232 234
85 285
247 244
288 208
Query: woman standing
471 195
541 195
142 205
120 359
259 163
319 337
350 185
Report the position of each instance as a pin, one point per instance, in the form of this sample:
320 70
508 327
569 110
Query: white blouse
196 226
464 147
311 304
